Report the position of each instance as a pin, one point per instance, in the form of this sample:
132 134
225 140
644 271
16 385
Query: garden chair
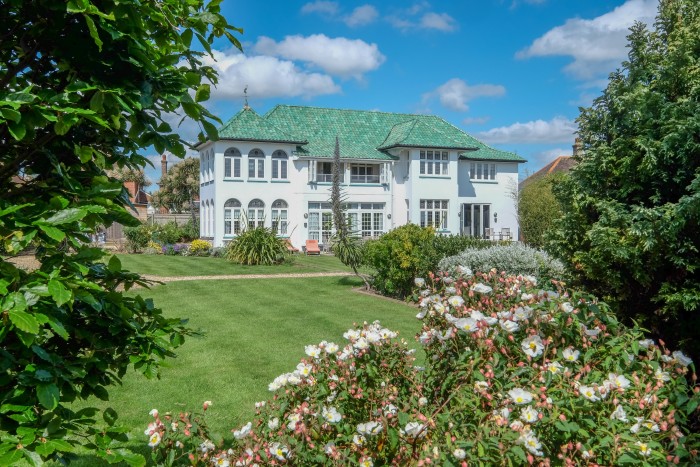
505 233
312 247
489 234
290 248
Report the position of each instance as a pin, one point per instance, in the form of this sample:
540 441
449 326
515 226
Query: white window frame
476 218
280 165
232 163
433 213
279 213
232 217
256 165
434 162
324 172
256 213
482 171
364 219
359 173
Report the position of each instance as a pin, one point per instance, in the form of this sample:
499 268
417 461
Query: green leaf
33 457
11 114
93 32
11 457
59 293
17 130
48 395
53 232
66 216
132 458
24 321
58 328
202 93
110 416
100 392
114 264
42 375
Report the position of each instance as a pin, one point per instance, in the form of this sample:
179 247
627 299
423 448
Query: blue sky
512 73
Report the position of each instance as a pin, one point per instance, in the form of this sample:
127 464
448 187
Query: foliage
84 87
631 206
400 255
514 375
139 237
130 174
512 258
411 251
189 231
173 249
257 246
538 210
179 188
166 233
345 245
199 248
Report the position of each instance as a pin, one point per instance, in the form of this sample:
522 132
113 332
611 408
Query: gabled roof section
247 125
562 164
426 131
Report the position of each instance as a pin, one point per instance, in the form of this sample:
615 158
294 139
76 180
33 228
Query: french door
476 218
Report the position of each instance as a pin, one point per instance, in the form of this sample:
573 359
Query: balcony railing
327 178
364 178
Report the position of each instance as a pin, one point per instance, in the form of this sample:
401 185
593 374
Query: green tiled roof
248 125
362 134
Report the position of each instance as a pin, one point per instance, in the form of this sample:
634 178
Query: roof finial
245 94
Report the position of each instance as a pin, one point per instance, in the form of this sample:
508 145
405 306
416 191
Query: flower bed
514 374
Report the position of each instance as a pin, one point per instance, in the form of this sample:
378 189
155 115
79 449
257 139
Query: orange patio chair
290 248
312 247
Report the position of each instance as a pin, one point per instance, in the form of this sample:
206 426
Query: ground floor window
476 219
433 213
280 217
365 219
256 214
232 217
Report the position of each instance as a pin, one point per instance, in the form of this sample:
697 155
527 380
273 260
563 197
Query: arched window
211 218
256 214
279 217
279 165
232 163
204 221
232 217
256 164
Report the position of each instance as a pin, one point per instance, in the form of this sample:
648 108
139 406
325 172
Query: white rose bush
515 374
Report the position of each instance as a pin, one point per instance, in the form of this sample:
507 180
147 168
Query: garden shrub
450 245
257 246
400 255
137 238
514 375
513 258
167 233
175 249
190 231
199 248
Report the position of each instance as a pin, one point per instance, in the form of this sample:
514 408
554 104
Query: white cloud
417 16
556 130
265 77
361 15
337 56
439 21
455 93
596 45
327 8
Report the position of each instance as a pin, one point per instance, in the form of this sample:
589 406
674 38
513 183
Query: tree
179 188
84 87
130 174
346 245
632 205
538 210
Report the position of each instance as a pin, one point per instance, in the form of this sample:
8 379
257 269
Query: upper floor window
232 163
364 173
434 162
256 214
256 164
279 165
232 217
482 171
280 217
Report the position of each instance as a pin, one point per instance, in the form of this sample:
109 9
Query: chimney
163 165
578 147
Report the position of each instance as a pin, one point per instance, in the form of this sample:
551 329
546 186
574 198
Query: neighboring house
275 171
562 164
139 199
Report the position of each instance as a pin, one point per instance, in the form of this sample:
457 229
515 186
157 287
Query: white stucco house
275 170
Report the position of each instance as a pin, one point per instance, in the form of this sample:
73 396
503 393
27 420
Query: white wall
406 182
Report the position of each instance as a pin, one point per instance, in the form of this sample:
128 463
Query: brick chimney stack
578 147
163 165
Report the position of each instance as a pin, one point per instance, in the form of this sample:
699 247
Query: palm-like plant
255 246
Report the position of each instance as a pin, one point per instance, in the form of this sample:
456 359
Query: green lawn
160 265
253 331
